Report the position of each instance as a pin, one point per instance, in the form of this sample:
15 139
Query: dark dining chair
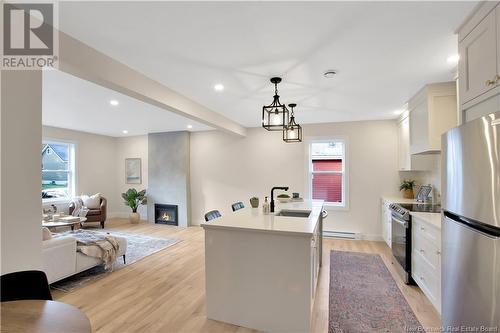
237 206
24 285
213 214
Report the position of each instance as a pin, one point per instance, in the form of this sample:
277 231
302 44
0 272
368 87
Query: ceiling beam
85 62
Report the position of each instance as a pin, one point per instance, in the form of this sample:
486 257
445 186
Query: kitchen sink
294 213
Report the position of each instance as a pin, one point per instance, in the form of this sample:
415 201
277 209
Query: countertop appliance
401 235
470 286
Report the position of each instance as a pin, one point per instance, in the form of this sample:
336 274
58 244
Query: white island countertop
253 219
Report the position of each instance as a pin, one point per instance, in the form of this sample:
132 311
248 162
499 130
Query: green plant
133 198
283 195
407 184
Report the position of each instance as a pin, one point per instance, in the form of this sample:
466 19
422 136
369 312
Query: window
327 172
58 176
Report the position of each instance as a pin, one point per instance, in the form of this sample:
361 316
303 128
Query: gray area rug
138 247
365 298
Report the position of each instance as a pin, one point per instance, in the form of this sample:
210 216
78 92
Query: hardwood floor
165 292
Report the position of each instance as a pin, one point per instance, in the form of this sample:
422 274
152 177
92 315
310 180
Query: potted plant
407 187
254 202
133 199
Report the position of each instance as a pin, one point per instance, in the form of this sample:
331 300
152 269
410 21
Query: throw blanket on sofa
97 245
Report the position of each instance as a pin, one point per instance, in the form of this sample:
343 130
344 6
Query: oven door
400 239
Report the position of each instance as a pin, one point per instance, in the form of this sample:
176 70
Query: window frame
344 205
72 176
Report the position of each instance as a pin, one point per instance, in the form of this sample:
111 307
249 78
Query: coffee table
72 224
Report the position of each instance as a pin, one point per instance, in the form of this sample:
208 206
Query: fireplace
166 214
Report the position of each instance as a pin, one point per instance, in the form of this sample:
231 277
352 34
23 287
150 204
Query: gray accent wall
168 173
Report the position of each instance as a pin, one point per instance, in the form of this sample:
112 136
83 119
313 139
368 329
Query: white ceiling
383 51
70 102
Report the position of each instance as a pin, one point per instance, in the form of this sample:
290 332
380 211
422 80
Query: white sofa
60 258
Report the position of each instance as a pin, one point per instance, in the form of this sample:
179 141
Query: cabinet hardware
489 82
497 78
422 251
438 252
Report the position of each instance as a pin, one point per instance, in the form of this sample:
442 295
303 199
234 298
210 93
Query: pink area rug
365 298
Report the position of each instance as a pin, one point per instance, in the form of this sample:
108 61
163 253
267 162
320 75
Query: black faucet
285 188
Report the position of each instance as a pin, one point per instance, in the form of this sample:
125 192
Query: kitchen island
262 270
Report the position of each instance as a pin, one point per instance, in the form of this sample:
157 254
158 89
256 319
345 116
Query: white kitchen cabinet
386 222
426 259
479 64
478 59
432 111
406 161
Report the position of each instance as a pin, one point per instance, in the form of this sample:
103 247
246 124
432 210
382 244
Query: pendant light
293 131
275 115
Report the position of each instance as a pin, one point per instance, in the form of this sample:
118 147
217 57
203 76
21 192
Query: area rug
365 298
138 247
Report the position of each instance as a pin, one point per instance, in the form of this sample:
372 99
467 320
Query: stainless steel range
401 235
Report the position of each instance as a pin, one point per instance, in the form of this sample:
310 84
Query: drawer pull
422 251
489 82
422 228
497 78
422 278
438 252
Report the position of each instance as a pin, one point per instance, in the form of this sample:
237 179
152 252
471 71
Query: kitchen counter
254 219
431 218
261 271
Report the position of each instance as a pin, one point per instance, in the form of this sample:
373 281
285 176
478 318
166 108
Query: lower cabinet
385 218
426 260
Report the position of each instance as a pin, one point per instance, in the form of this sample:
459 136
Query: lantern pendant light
275 116
293 131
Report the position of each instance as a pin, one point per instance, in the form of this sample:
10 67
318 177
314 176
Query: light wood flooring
165 292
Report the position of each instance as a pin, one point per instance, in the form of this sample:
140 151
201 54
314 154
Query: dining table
40 316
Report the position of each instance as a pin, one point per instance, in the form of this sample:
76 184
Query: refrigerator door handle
485 229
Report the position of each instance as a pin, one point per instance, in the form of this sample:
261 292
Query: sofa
60 258
94 215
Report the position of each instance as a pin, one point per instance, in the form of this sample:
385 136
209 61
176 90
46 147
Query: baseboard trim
375 238
352 235
341 234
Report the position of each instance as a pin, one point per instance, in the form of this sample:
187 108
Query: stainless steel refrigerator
470 270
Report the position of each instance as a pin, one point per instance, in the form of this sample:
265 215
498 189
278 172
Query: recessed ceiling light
398 112
114 102
453 59
219 87
189 126
125 132
330 73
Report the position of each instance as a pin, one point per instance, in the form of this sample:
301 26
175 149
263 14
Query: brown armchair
94 215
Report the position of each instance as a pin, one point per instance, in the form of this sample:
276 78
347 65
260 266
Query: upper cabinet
432 111
479 64
406 161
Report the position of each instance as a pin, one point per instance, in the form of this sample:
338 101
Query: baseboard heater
340 234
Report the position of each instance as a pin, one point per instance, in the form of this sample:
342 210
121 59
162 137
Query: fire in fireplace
166 214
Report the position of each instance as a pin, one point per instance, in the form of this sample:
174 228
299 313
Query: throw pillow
46 234
93 201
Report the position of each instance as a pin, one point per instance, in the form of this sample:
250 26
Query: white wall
20 204
432 176
225 169
100 165
96 165
130 147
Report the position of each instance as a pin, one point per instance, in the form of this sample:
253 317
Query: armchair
94 215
